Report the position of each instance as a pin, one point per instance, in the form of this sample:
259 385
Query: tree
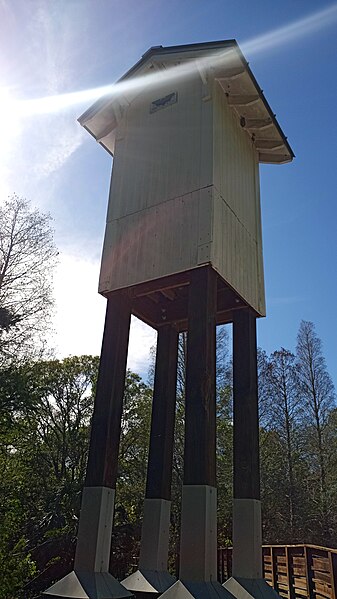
331 471
20 474
284 389
132 469
43 453
282 418
16 489
64 402
263 387
27 257
44 438
224 437
319 398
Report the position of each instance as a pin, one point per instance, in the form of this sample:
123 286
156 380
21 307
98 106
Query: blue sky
51 47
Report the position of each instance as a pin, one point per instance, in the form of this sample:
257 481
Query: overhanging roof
222 60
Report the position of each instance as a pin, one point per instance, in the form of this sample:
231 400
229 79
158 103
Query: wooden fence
295 571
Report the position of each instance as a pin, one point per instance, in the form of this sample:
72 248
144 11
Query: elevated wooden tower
188 127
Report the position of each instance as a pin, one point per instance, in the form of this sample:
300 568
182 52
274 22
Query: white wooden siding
237 247
184 192
158 241
162 155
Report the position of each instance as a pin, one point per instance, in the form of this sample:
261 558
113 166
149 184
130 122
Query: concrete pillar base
250 588
148 582
154 544
197 590
247 539
94 530
87 585
198 533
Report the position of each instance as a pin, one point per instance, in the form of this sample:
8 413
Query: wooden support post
100 483
198 556
106 421
246 422
247 533
92 557
159 474
200 426
273 567
152 575
309 571
333 570
289 570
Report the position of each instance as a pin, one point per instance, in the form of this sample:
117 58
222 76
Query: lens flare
290 33
8 107
9 127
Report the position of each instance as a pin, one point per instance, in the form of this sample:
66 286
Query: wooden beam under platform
165 301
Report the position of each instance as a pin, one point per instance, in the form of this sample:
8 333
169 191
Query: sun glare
9 116
12 110
9 130
291 32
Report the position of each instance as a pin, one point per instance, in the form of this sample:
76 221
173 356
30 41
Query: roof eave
157 51
266 104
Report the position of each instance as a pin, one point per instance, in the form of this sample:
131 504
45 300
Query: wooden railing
295 571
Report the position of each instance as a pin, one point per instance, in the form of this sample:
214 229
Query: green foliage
298 444
224 466
132 466
17 506
224 442
45 412
16 565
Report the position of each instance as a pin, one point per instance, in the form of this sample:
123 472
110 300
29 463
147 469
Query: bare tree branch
27 257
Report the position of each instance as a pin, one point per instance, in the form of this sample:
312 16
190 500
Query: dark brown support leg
247 531
198 557
106 422
200 427
247 550
152 574
159 474
246 419
91 568
198 539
